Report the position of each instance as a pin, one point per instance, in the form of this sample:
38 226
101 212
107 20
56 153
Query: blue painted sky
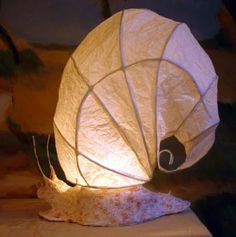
67 22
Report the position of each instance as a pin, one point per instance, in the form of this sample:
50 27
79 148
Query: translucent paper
135 80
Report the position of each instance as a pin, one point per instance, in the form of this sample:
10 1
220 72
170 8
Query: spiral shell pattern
135 80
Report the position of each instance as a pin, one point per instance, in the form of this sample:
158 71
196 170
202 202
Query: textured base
105 207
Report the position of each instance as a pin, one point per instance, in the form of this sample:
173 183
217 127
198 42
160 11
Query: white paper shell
135 80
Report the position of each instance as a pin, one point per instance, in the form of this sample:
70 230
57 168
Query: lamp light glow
136 79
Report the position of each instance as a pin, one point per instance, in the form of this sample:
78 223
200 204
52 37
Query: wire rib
107 112
138 120
112 170
81 153
65 140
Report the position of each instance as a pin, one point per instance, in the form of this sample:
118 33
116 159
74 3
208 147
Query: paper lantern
136 79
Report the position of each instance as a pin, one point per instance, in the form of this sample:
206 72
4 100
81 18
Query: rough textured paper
135 80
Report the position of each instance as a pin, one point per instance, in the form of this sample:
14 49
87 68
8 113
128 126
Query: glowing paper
135 80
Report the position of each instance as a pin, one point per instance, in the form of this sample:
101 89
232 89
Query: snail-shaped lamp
135 80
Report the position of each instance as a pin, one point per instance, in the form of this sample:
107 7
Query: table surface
19 217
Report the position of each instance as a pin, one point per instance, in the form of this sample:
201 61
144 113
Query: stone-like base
105 207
